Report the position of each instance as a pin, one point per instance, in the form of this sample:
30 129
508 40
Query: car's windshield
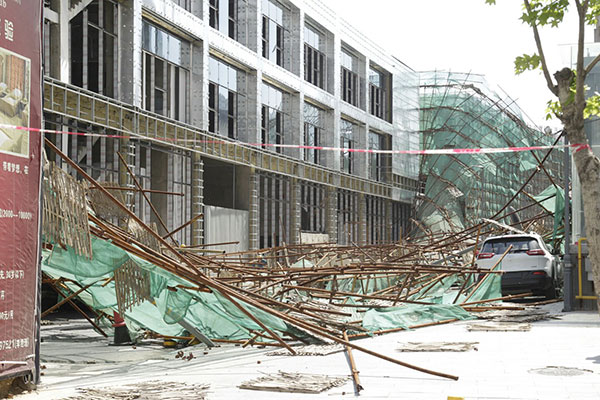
519 245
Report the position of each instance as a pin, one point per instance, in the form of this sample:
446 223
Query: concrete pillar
293 105
389 221
292 40
199 86
362 218
129 77
62 47
295 211
331 215
254 211
254 109
197 198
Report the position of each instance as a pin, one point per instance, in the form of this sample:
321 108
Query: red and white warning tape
489 150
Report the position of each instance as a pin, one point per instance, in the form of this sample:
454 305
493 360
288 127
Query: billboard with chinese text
20 151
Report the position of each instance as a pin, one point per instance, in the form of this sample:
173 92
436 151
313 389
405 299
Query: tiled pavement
502 368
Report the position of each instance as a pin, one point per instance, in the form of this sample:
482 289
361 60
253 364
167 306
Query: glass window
312 208
272 117
350 82
312 132
164 44
93 62
272 32
166 77
377 161
223 98
347 142
378 94
223 16
314 60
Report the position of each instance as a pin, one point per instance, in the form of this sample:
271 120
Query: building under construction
209 104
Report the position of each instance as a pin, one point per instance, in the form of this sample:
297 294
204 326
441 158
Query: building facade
219 107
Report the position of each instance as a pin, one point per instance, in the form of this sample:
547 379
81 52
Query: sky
466 36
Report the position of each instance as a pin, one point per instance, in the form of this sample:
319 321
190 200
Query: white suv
529 266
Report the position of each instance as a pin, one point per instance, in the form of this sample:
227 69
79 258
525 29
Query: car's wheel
550 293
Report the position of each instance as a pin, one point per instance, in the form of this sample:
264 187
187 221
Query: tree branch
581 74
538 43
591 65
595 61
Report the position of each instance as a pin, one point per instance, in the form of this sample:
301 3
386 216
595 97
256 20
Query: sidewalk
502 368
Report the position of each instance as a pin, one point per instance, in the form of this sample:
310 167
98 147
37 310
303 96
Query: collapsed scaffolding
98 250
460 110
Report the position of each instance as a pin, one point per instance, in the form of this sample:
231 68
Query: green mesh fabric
461 111
411 315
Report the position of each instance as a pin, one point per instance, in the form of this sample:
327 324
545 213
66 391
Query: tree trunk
587 165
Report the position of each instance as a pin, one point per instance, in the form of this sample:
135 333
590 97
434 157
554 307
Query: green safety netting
461 111
553 200
411 315
216 317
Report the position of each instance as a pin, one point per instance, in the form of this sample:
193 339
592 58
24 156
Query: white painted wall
226 225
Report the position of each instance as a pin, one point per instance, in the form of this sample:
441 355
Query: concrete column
295 211
332 158
199 86
362 218
331 215
294 127
63 41
130 79
254 211
252 134
389 221
197 198
292 40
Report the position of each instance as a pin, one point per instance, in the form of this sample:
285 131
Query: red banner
20 103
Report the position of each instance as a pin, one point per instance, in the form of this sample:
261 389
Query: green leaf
545 12
592 106
527 62
553 109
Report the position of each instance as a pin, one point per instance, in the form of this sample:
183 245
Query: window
350 89
377 220
272 32
347 142
314 58
166 76
272 117
348 217
185 4
312 208
312 132
377 161
94 48
274 195
223 98
223 16
377 94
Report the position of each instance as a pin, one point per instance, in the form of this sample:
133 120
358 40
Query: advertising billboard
20 151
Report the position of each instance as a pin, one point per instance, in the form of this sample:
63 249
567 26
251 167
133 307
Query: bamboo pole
357 386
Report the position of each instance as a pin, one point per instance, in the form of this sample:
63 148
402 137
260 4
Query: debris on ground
153 390
530 314
499 327
294 383
437 346
310 350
